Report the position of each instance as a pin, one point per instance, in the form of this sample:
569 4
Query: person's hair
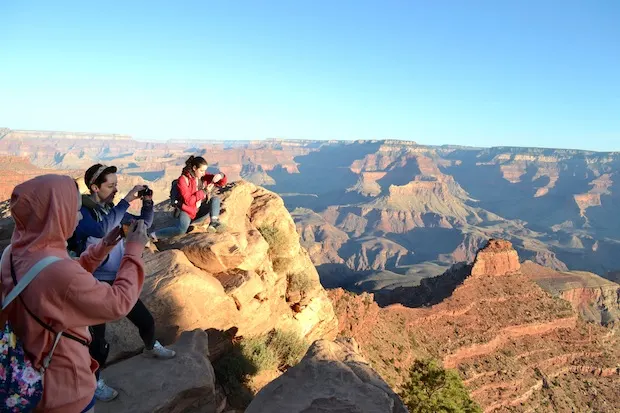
194 161
95 175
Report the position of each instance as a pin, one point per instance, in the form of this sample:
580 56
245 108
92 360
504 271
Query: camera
145 192
125 229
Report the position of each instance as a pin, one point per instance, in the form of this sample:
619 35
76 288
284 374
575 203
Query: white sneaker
105 393
153 237
159 352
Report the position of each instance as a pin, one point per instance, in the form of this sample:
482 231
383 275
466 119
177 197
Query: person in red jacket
194 187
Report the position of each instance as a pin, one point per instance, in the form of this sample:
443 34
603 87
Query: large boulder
332 377
180 296
184 384
233 279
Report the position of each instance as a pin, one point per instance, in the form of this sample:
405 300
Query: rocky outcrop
332 377
256 174
17 169
595 298
517 347
600 186
184 384
321 239
233 279
497 258
548 259
376 254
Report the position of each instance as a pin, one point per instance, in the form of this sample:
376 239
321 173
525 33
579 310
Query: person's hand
137 233
113 237
133 194
217 177
210 188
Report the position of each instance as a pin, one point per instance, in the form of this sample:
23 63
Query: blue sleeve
146 214
89 227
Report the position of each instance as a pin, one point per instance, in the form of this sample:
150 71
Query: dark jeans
210 208
140 316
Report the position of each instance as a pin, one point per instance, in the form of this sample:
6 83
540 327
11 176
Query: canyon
436 263
378 215
517 346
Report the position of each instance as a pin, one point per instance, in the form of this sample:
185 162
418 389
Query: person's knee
146 320
215 205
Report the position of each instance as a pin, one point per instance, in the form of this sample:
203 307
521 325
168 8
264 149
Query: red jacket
191 194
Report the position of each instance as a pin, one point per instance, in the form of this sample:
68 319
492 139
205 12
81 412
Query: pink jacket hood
45 213
65 295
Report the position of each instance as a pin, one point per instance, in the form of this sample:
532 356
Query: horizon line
126 136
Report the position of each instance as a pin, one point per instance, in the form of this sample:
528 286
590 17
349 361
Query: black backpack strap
37 319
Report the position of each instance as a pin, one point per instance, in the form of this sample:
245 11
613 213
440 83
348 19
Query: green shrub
288 347
433 389
274 238
280 264
299 281
231 372
259 354
276 350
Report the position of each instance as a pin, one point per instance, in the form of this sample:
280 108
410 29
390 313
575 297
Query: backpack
176 200
21 387
175 195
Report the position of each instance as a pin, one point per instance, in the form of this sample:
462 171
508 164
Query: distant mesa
35 134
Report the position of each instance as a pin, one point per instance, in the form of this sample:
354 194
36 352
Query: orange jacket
65 294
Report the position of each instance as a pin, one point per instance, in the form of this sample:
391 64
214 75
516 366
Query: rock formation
595 298
332 377
232 279
184 384
516 347
497 258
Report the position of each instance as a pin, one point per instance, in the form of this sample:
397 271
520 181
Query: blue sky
483 73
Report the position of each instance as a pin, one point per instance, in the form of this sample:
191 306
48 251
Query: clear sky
483 73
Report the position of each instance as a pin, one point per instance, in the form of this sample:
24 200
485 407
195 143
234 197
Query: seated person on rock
194 199
100 216
64 297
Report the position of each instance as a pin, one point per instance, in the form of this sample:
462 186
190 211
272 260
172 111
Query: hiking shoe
105 393
190 229
216 226
159 352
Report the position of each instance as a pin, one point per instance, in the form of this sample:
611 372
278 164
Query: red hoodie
65 294
191 194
